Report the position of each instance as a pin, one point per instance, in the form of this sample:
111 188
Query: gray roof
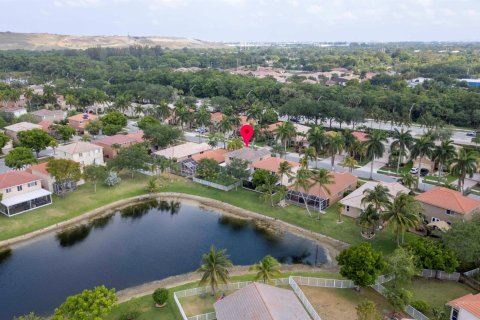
259 301
46 112
249 154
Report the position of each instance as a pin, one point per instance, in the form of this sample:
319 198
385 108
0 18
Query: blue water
136 245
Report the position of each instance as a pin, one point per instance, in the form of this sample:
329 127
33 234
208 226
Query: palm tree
310 154
278 149
334 145
402 214
323 177
182 114
375 147
224 126
423 147
465 163
267 269
269 187
213 139
316 137
214 267
302 181
255 112
407 179
161 111
349 141
235 144
379 197
284 169
339 208
443 154
402 140
285 132
202 118
350 162
369 218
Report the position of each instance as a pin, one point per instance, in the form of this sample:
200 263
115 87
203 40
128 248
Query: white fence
321 282
205 316
442 275
472 273
216 185
308 306
179 305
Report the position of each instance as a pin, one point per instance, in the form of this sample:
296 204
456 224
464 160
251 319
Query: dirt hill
47 41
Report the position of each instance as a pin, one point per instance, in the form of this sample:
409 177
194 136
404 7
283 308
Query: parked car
201 130
471 133
414 170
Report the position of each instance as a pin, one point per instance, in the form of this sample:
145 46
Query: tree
182 114
379 197
375 147
53 144
207 169
334 145
30 316
214 267
238 169
403 141
267 269
361 264
350 163
89 305
310 154
113 122
464 164
402 265
146 121
235 144
398 297
367 310
369 218
434 255
160 296
93 127
161 135
443 155
112 179
464 239
35 139
95 173
402 214
284 169
202 117
323 178
134 157
302 181
20 157
64 172
423 147
61 131
213 139
3 140
285 132
407 179
268 186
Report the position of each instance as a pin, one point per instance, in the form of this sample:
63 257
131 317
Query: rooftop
272 164
46 112
354 199
183 150
299 128
83 117
341 181
40 167
22 126
116 139
448 199
15 178
249 154
217 155
361 136
78 147
261 301
469 302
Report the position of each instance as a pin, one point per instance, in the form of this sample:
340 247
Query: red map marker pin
247 132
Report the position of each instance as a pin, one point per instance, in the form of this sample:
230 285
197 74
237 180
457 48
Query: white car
471 134
414 170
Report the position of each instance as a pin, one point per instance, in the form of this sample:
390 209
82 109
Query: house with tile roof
13 130
353 205
80 121
182 151
465 308
217 154
85 153
49 115
272 164
360 136
111 144
260 301
443 204
40 170
300 129
318 197
248 154
21 191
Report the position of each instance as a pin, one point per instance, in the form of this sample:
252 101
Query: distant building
183 151
21 191
260 301
80 121
14 110
110 143
13 130
472 82
49 115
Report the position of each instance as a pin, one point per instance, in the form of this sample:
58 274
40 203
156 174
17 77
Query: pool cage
188 167
300 198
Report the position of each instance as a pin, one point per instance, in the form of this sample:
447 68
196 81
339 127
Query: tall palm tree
255 112
379 197
214 266
267 269
403 213
202 117
316 137
323 178
310 154
465 163
182 114
161 111
302 181
225 126
403 141
334 145
374 147
284 169
285 132
443 154
269 187
369 218
349 141
423 147
407 179
350 163
235 144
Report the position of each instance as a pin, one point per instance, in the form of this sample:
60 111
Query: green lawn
434 179
170 312
84 200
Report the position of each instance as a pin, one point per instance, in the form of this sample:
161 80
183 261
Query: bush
420 305
112 179
160 296
129 315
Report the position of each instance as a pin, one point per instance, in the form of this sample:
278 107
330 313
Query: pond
138 244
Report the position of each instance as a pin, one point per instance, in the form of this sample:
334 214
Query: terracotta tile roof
22 126
341 181
217 155
80 117
78 147
138 136
249 154
259 301
183 150
41 167
45 125
361 136
120 139
272 164
216 116
448 199
299 128
15 178
469 302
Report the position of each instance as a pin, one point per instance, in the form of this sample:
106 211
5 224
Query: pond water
138 244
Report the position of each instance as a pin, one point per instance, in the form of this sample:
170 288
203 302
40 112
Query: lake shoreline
332 246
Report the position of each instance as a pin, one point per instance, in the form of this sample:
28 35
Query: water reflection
5 254
235 224
73 236
268 231
169 206
102 222
139 210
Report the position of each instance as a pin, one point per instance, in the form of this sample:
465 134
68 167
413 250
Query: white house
465 308
85 153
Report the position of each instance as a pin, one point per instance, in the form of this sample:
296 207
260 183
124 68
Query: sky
251 20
